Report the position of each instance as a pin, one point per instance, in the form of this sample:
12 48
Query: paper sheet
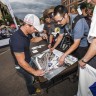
35 51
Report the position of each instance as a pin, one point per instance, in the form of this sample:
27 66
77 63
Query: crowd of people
6 31
58 26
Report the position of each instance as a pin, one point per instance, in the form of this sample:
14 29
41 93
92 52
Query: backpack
77 18
88 20
66 41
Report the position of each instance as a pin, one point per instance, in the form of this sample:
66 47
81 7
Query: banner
11 12
87 79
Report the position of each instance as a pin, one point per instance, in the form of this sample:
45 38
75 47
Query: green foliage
1 22
8 18
91 6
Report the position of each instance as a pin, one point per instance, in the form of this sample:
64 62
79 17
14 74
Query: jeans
28 79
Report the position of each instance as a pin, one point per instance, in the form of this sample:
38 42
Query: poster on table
48 61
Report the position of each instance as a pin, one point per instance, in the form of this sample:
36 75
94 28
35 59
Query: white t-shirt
92 31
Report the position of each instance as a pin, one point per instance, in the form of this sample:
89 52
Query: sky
23 7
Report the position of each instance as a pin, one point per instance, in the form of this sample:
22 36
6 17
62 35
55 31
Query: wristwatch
83 61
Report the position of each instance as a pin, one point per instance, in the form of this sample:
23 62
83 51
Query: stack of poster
48 61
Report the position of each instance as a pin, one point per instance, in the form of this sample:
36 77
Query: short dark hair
46 16
83 6
60 9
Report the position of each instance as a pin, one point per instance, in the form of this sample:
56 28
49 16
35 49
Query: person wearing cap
90 56
19 45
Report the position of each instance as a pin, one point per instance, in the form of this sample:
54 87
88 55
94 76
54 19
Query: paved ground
11 84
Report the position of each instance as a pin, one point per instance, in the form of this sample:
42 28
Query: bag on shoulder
75 20
88 21
66 42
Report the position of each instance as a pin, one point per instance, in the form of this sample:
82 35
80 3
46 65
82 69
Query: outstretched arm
73 47
37 39
21 61
90 53
59 38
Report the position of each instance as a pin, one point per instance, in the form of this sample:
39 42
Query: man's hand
82 64
49 46
51 49
39 72
61 60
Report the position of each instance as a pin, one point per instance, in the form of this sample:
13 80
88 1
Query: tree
1 22
9 19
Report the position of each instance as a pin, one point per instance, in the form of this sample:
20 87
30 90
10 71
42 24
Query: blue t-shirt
19 42
81 31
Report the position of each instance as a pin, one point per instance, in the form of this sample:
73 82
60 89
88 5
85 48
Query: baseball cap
32 19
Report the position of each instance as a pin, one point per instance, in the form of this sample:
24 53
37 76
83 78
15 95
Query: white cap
32 19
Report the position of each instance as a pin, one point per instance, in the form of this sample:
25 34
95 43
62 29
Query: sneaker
39 91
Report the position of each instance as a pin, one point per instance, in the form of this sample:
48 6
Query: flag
87 79
93 89
11 12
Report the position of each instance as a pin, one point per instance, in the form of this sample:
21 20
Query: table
68 73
